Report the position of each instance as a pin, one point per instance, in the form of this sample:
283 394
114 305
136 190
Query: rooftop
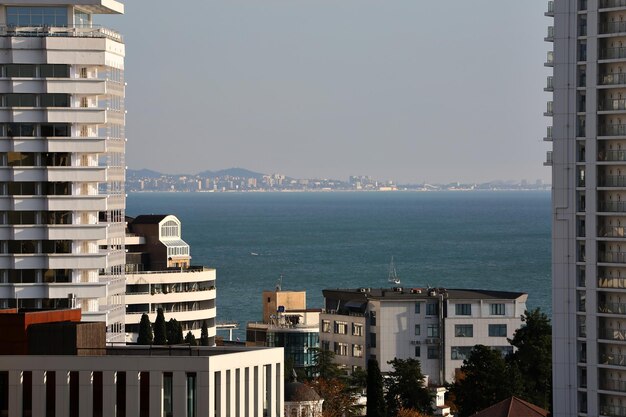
417 293
90 6
512 407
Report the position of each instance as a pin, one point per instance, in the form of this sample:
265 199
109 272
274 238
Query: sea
497 240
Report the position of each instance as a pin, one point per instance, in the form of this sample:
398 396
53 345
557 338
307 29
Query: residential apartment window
192 403
325 345
341 349
326 326
373 340
357 351
357 329
418 307
460 353
36 16
372 318
463 309
433 352
497 330
418 330
54 100
497 309
464 330
167 395
431 309
432 330
418 351
341 327
504 350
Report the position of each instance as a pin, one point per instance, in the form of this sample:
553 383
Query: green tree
486 380
160 331
532 358
204 334
190 339
325 367
174 332
376 406
405 387
145 331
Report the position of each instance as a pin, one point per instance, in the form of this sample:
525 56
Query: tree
405 387
160 331
376 406
145 331
174 332
485 380
339 400
190 339
325 367
533 358
204 334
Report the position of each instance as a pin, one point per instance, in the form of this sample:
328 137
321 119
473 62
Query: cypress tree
160 331
174 332
204 334
145 331
375 396
190 339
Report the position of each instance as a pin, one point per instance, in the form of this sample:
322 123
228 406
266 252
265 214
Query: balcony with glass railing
608 384
610 410
612 181
550 35
612 130
550 11
548 161
611 155
550 59
613 53
612 206
548 137
617 78
608 333
550 109
607 28
609 4
612 308
612 104
549 84
612 257
612 282
78 31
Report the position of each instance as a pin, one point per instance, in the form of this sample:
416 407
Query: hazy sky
406 90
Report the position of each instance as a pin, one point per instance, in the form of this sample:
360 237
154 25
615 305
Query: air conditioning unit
397 289
416 291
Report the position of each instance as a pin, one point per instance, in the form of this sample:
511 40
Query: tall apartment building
62 159
437 326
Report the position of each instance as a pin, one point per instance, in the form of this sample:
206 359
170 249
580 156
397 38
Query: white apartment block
588 135
437 326
62 159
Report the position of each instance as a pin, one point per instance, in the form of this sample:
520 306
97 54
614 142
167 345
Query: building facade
437 326
62 159
159 274
588 135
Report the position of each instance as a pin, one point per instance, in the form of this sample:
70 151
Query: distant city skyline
409 91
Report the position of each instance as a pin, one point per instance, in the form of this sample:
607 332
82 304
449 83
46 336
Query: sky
402 90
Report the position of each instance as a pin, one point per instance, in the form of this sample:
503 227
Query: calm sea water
488 240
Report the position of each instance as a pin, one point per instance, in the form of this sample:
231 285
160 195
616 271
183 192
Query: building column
85 394
258 391
39 393
232 390
270 380
221 394
203 392
62 393
156 393
132 393
179 393
15 393
109 399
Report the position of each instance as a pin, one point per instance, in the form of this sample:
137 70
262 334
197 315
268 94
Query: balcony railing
613 385
606 4
612 104
69 31
548 158
550 59
613 181
612 410
549 84
612 282
612 27
612 130
550 35
612 155
612 206
550 11
613 79
549 109
611 334
612 257
613 53
611 359
612 308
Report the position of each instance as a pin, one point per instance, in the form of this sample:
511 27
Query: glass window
463 309
357 329
431 309
372 318
417 330
357 351
20 100
497 309
167 395
497 330
433 352
341 327
36 16
432 330
418 351
341 349
463 330
418 307
81 19
192 403
373 340
55 100
460 352
54 71
326 326
20 70
504 350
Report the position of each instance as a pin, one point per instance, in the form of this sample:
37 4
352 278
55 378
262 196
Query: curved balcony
612 257
612 130
612 308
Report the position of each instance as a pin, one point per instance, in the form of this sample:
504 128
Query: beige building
62 123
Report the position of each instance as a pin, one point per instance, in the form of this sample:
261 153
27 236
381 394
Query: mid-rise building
62 159
159 274
435 325
287 323
588 160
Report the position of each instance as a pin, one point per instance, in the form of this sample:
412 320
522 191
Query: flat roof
147 350
418 293
91 6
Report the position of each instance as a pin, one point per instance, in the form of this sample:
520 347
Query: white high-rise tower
589 205
62 147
